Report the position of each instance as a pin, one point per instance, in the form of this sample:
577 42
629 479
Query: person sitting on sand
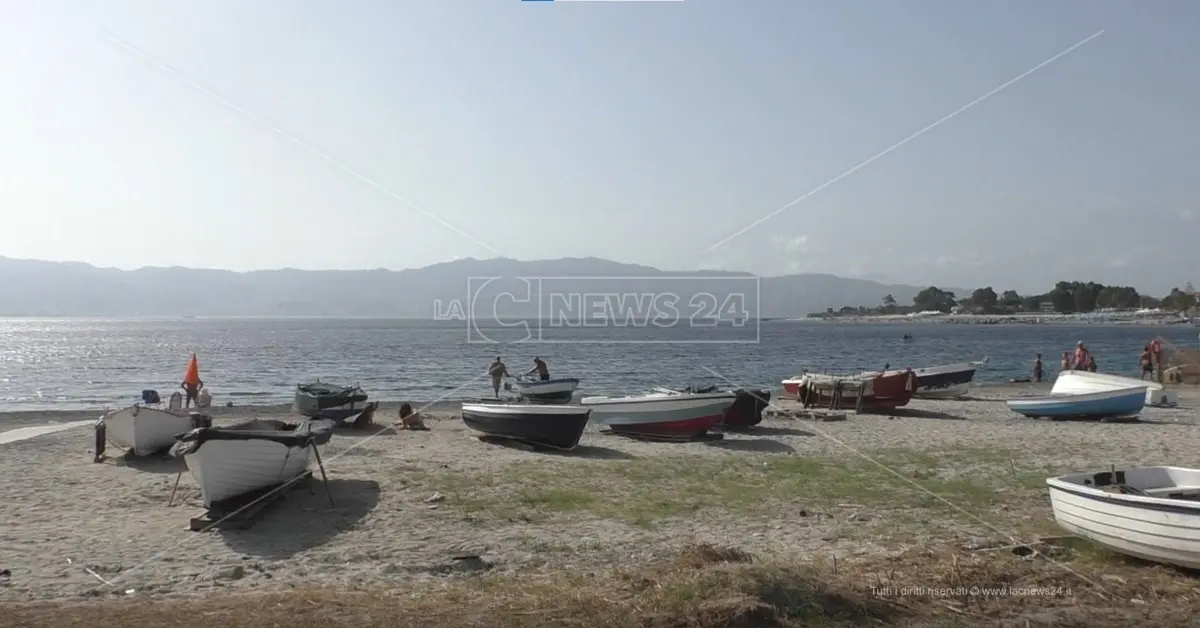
1037 368
541 369
410 419
498 371
192 390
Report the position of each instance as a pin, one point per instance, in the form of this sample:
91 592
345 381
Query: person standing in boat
498 372
541 369
1037 368
1082 357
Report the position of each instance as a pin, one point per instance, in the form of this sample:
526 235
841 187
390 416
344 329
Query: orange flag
193 372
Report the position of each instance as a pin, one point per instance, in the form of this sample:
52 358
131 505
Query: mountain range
44 288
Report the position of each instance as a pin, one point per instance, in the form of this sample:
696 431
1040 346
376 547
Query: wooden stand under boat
243 511
666 438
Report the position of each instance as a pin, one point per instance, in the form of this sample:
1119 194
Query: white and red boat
678 415
791 386
880 390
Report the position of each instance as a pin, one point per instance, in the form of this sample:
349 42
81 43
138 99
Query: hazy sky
641 132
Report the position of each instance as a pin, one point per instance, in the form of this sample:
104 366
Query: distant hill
41 288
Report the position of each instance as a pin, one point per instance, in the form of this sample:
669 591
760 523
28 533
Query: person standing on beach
1156 350
498 371
1037 368
1147 362
541 369
1082 357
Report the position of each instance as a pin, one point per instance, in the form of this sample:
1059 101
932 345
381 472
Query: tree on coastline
985 300
934 298
1067 297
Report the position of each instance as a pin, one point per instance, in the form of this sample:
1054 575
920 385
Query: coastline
1114 320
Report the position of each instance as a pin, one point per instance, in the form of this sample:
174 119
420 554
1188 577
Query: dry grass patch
647 490
703 587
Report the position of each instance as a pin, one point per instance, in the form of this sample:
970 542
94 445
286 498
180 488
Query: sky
256 134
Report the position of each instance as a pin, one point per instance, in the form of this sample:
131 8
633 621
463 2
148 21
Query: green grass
645 490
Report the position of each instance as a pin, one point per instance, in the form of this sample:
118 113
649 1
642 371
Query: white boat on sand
228 462
1151 513
1105 405
674 415
144 430
1083 382
547 391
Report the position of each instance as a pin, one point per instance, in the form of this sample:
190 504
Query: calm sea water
88 363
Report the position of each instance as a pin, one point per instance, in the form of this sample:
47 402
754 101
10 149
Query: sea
79 364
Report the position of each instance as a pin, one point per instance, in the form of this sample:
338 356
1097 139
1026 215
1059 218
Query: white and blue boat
1107 404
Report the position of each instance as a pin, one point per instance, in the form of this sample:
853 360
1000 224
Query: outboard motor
101 442
199 419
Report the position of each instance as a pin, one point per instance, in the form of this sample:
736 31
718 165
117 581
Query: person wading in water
1082 357
1037 368
1147 362
498 372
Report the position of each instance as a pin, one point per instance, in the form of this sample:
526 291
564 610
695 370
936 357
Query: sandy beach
409 505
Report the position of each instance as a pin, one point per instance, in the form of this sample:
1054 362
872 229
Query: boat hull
677 416
791 387
316 399
1082 382
550 391
883 391
547 426
1099 405
1151 527
747 408
943 382
145 431
225 469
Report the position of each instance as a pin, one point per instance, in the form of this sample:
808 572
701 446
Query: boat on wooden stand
1104 405
1152 513
544 425
678 416
228 462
